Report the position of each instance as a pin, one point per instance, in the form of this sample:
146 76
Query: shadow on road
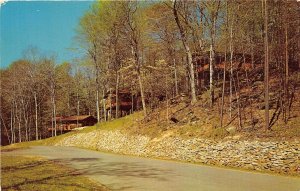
97 166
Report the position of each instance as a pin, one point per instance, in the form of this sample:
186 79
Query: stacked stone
280 156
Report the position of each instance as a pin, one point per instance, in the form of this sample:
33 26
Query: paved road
120 172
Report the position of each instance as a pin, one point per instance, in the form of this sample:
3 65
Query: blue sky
49 26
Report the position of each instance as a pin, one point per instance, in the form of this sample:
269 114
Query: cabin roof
124 91
72 118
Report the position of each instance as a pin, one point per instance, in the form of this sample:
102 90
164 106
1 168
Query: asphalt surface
119 172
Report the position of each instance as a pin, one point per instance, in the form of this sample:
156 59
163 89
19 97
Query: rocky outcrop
280 157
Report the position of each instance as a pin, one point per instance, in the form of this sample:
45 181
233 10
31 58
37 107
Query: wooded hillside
236 60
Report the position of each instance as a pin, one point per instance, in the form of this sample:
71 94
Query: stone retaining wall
280 157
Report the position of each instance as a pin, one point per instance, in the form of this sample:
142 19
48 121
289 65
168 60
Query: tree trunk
250 100
224 71
197 80
266 68
36 116
286 67
94 57
12 125
23 111
211 74
78 109
223 88
231 68
117 95
139 73
142 93
132 100
175 78
25 121
52 121
252 54
54 109
54 114
19 123
187 76
188 53
167 101
237 95
110 102
5 128
104 106
97 105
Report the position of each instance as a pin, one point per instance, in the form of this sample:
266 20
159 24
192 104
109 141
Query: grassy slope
32 173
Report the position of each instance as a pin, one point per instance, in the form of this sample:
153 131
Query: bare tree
135 32
176 5
266 65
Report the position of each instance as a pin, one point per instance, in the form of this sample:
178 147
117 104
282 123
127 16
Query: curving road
119 172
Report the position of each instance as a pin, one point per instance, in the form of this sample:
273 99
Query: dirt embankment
272 156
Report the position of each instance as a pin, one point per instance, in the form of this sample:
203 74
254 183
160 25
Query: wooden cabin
65 124
127 102
241 62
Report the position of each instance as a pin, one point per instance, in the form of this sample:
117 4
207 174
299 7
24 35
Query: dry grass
32 173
